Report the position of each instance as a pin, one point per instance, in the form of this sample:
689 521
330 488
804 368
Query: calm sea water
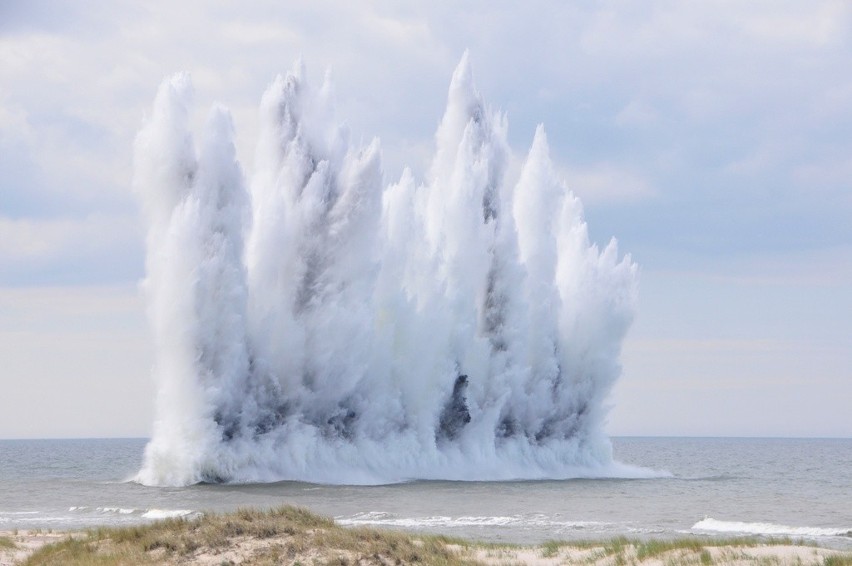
800 488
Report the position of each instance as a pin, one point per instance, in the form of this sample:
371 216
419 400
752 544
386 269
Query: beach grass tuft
550 548
7 542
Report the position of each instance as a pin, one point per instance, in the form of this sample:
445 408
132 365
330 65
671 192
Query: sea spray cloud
315 324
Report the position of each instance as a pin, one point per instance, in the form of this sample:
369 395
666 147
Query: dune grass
6 542
294 536
287 535
685 551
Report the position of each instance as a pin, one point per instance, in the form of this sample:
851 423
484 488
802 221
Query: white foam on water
168 513
129 511
118 510
517 521
768 529
314 323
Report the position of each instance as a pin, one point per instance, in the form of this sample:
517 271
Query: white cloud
259 33
637 113
76 362
606 183
14 126
411 33
94 248
798 24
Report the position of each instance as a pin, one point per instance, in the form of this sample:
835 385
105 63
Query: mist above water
313 323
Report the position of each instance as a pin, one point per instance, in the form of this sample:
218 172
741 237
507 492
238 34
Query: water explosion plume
319 326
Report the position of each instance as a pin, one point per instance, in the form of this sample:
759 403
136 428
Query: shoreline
290 535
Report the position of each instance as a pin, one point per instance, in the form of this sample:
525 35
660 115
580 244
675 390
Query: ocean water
800 488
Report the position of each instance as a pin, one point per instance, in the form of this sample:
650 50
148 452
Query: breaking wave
378 518
768 529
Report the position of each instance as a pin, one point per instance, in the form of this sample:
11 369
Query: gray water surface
800 488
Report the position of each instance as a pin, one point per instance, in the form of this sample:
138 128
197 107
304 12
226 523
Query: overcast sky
713 139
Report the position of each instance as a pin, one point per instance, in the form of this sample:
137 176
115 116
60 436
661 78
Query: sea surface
797 488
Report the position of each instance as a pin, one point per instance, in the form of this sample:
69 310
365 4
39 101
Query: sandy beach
294 536
16 546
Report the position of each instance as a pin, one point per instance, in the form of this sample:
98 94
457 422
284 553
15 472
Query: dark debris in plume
455 414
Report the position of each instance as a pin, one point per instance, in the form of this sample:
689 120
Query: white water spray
322 327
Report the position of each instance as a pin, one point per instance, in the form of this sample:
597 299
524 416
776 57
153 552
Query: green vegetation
550 548
687 551
286 535
6 542
290 535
